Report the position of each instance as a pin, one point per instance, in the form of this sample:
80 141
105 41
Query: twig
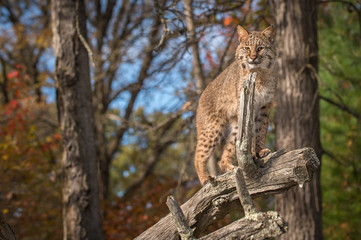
82 39
163 20
330 155
185 232
343 107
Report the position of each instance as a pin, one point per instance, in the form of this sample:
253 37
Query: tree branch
343 107
257 226
330 155
143 74
219 197
81 37
243 193
341 103
183 228
158 149
152 162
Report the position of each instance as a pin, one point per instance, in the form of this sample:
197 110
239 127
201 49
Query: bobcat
217 112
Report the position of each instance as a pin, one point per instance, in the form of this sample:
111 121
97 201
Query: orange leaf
227 21
57 136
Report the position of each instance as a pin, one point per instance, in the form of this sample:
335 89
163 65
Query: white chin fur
262 65
252 66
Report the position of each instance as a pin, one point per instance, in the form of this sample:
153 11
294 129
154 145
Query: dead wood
282 170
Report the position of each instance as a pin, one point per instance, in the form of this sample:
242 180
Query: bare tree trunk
81 212
193 41
297 112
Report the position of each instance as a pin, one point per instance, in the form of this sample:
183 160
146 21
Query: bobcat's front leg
261 127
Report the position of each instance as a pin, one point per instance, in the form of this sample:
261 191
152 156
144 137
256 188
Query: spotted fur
217 113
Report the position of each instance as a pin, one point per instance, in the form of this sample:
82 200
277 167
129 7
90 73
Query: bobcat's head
255 49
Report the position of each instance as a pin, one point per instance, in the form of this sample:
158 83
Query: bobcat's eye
260 49
247 49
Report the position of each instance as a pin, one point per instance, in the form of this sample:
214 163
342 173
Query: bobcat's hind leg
207 139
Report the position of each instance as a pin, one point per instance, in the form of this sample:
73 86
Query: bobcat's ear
269 32
242 33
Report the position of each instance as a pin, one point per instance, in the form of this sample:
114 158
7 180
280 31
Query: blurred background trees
340 85
145 84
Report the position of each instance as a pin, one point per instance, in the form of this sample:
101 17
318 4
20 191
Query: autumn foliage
127 218
30 183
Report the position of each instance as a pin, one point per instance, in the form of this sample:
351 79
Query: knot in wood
220 200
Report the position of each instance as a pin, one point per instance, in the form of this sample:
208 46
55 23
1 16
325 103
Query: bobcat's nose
253 57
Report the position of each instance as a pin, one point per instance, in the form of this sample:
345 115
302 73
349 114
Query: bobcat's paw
206 179
225 166
264 152
209 179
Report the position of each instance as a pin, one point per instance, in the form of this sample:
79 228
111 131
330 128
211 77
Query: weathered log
219 197
264 225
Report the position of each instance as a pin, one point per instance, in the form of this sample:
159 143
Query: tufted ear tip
269 32
242 33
